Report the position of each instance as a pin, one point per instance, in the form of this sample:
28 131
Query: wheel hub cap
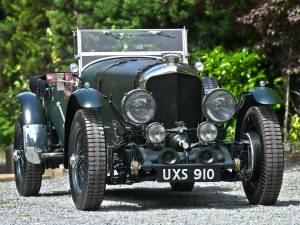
16 155
74 160
253 152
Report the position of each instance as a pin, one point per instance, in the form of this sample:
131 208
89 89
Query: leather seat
38 85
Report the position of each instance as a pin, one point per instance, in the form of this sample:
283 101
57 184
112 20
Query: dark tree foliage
36 36
278 24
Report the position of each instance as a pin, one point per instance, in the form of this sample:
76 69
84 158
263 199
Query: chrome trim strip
79 50
35 137
250 153
58 104
113 57
162 69
184 45
149 53
97 30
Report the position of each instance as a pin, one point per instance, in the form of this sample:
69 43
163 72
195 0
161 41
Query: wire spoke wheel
251 155
28 176
263 160
78 170
20 162
87 158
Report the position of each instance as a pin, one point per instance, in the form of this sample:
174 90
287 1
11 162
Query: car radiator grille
178 98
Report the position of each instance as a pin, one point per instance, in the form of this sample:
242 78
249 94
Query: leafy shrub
294 132
237 71
8 110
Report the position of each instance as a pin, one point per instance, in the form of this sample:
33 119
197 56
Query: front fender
85 98
254 97
34 127
264 95
31 108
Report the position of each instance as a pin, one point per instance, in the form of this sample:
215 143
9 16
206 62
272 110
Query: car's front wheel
263 169
87 158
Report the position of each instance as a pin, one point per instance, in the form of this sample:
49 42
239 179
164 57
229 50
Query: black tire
28 176
264 185
178 186
87 142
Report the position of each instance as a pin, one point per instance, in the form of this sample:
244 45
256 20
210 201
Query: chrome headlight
156 133
219 105
138 106
207 132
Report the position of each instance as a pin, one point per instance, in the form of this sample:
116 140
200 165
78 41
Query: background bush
36 37
237 71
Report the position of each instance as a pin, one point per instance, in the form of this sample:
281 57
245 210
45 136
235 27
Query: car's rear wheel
181 186
87 158
263 171
28 176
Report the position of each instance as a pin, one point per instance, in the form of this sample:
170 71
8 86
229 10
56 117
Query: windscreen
131 40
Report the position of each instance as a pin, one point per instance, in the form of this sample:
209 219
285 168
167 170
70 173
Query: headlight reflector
138 106
156 133
207 132
219 105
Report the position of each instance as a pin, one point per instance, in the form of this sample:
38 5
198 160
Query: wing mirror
199 66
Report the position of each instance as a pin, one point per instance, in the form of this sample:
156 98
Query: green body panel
114 79
82 98
118 80
265 95
110 77
53 113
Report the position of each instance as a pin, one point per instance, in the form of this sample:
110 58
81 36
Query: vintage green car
133 110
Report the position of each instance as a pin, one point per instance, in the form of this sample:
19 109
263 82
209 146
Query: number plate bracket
188 173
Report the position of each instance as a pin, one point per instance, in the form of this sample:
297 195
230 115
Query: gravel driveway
152 203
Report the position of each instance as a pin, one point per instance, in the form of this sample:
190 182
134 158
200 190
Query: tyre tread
94 185
272 160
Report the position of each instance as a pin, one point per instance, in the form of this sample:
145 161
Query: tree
278 24
36 36
24 52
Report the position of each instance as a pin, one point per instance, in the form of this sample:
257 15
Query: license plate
183 174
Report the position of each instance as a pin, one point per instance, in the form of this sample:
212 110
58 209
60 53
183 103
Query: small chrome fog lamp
155 133
168 156
207 132
206 156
